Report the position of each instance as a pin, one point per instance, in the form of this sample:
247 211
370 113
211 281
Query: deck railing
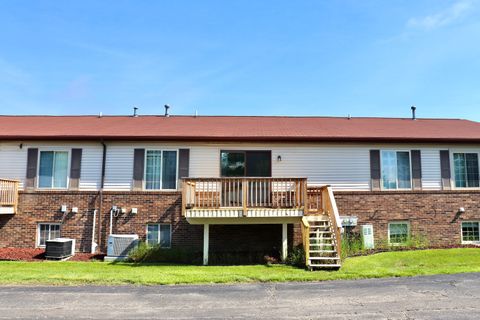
9 193
244 193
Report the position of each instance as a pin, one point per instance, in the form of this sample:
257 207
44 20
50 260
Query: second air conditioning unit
119 245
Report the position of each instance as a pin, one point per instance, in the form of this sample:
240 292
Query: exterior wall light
461 210
279 158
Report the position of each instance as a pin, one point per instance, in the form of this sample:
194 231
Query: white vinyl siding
91 167
119 167
13 162
431 173
320 164
343 166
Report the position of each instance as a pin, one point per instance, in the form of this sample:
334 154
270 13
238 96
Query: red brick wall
432 214
20 230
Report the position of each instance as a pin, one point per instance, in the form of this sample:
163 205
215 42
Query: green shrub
352 245
296 257
146 253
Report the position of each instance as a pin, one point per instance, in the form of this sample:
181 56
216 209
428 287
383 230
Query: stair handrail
330 207
306 239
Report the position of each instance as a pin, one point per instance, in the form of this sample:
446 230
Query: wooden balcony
244 197
8 196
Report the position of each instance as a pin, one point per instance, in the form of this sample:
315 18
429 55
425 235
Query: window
161 170
396 170
246 163
47 231
159 234
466 170
470 232
53 169
398 232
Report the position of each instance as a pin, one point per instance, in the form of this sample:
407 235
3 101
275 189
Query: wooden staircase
321 231
323 245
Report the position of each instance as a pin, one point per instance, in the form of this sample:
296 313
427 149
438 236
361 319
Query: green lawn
389 264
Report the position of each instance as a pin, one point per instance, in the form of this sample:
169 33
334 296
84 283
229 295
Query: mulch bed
29 254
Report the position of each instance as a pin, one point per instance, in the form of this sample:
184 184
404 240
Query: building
242 184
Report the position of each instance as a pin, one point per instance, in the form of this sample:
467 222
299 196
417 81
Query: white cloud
455 12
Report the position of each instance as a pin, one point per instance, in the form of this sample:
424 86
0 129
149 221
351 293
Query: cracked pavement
426 297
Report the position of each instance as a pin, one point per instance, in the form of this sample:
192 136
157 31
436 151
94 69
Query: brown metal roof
248 128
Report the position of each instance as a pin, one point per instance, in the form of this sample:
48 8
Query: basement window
398 232
47 231
470 232
159 234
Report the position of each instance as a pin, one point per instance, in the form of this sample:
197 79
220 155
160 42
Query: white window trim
38 231
461 232
68 169
452 169
159 232
398 222
381 169
161 171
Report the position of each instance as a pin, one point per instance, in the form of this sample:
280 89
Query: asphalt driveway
432 297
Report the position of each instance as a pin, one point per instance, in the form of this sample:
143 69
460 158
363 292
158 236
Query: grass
388 264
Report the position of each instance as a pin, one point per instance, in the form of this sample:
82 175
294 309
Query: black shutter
416 169
138 168
32 160
445 169
75 168
375 169
183 163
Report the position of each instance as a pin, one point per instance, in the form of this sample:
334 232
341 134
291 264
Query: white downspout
111 220
94 244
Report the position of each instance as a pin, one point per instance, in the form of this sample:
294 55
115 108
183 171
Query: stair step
333 265
317 218
322 245
320 232
325 258
322 251
321 238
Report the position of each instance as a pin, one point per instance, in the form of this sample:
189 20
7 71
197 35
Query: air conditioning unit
367 236
119 245
59 248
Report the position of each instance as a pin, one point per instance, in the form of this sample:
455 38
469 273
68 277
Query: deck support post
206 235
284 242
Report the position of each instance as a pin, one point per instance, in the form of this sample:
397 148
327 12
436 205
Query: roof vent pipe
135 111
166 110
413 113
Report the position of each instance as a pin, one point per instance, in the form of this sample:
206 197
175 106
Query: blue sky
364 58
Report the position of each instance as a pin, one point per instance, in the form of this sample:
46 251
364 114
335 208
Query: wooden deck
237 197
269 200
